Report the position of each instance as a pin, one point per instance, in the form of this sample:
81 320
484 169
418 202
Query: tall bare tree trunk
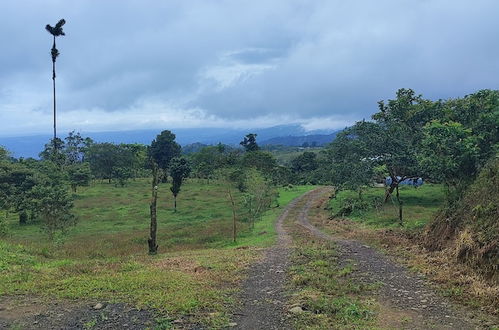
53 87
401 222
233 204
153 247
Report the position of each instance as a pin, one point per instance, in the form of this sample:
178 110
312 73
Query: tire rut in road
263 297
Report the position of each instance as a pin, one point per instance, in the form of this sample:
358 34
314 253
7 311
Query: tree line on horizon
446 141
42 190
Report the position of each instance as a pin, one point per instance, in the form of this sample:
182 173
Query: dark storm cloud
128 63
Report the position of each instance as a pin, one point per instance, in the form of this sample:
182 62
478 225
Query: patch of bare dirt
25 312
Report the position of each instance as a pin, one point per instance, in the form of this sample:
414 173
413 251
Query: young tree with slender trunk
226 178
55 31
179 170
161 151
156 178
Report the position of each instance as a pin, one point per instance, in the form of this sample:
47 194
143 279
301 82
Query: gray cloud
195 63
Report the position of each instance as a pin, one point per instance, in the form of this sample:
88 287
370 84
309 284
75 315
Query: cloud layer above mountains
165 64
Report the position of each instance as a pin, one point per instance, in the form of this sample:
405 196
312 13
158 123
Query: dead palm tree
55 31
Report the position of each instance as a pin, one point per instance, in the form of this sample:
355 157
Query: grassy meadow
104 257
420 205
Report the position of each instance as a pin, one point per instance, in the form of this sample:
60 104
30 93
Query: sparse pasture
104 257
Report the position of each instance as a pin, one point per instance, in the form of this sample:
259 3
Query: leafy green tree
79 175
72 150
4 154
304 167
456 145
207 160
105 158
263 161
350 159
16 189
249 142
449 154
138 159
54 152
306 162
163 149
179 170
122 175
258 196
55 31
480 113
76 147
391 141
55 205
281 176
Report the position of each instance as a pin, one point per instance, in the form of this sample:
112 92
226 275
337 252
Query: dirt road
263 302
263 298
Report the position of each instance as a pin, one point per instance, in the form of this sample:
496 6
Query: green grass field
419 206
104 257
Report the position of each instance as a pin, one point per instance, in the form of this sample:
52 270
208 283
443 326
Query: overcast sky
167 64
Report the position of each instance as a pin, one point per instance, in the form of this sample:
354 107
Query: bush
350 205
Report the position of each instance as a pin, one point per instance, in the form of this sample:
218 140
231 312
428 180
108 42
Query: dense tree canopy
446 141
163 149
249 142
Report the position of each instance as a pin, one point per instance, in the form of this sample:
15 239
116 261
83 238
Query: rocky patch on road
36 313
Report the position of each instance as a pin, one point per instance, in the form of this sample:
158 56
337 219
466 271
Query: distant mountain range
288 135
302 140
